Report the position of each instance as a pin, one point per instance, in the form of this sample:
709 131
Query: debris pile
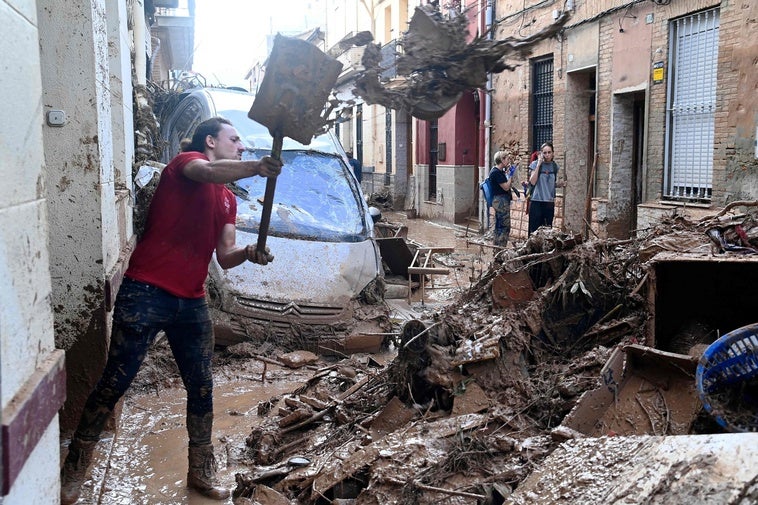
438 63
475 398
149 147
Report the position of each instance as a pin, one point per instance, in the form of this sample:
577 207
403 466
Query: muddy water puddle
146 462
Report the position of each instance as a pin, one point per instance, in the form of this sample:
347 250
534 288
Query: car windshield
313 200
316 197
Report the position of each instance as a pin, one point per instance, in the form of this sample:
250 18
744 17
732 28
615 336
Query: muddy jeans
141 311
502 206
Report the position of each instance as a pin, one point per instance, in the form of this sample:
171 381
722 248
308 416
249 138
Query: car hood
319 273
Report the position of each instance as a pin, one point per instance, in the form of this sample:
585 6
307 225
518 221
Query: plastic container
727 379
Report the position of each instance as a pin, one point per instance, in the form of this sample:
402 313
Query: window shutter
692 105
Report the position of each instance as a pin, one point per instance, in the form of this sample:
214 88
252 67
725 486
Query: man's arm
229 255
223 171
227 252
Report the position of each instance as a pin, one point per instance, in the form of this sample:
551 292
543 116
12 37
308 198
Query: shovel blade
298 80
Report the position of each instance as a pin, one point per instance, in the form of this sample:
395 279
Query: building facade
66 213
650 106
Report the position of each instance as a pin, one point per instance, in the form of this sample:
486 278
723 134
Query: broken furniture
390 230
413 263
423 264
645 392
393 247
695 298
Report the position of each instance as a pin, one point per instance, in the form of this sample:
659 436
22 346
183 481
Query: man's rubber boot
202 472
75 468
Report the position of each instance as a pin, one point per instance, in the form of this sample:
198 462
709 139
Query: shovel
298 80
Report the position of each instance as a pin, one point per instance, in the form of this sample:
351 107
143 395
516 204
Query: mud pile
439 61
470 405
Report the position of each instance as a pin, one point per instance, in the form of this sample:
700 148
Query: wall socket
56 118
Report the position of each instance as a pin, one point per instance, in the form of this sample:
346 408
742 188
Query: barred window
542 102
691 107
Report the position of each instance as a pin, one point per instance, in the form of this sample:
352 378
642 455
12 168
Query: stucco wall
455 193
88 168
26 318
120 67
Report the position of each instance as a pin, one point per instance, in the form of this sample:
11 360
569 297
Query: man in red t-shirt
191 214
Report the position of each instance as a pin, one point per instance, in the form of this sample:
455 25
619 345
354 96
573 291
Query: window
691 106
433 146
542 102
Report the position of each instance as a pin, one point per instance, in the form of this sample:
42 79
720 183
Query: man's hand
253 255
268 167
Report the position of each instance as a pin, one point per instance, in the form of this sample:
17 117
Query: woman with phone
543 176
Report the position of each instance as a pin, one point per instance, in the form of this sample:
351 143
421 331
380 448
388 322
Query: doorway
626 170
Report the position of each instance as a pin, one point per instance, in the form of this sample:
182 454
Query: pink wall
631 48
458 129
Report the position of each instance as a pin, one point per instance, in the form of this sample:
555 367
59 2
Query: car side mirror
375 213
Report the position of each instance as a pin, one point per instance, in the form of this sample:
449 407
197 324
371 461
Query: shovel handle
268 197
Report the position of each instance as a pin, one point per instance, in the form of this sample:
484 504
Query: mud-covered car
327 263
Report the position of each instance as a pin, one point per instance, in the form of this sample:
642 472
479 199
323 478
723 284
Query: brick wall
615 199
603 112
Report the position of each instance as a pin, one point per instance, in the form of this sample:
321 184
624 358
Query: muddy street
494 388
144 460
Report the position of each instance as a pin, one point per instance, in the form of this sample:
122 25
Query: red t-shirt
184 224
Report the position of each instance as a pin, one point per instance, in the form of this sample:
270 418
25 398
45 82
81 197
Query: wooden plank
437 249
428 270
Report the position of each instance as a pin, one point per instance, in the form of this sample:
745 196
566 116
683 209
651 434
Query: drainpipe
140 55
489 16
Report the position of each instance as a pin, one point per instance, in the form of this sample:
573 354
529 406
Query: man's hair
208 127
